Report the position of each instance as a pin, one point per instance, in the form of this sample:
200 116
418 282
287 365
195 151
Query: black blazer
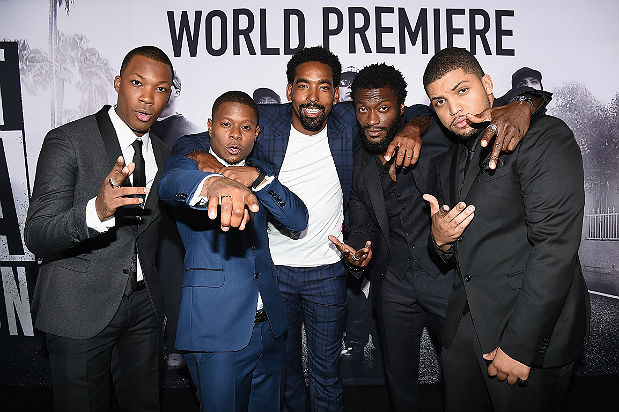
84 273
517 261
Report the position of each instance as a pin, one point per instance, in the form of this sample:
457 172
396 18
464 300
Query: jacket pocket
76 264
203 277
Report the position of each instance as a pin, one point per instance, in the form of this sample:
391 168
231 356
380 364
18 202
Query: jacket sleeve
54 222
551 179
181 178
191 143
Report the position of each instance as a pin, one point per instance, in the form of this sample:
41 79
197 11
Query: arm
551 179
181 179
286 207
407 143
55 222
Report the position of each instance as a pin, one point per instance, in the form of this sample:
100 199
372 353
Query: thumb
489 356
433 203
335 241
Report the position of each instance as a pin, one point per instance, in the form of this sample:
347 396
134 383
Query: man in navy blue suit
231 320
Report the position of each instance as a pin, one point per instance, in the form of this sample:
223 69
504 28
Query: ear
336 96
117 83
210 127
257 133
401 109
487 82
289 92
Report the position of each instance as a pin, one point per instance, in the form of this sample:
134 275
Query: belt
261 316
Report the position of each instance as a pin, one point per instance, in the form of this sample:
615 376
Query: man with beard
310 143
389 224
519 316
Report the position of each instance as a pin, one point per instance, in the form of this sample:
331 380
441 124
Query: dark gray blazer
84 273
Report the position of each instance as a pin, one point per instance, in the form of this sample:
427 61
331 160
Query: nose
373 117
312 94
235 133
146 96
454 108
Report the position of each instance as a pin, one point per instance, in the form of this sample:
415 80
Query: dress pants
81 368
468 387
251 379
315 297
401 316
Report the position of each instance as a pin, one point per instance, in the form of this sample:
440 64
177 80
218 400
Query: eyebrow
452 89
142 77
321 81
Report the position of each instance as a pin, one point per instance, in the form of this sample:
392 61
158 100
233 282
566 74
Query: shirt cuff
92 218
444 255
197 199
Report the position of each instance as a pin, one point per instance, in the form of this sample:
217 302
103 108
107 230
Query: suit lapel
108 134
471 172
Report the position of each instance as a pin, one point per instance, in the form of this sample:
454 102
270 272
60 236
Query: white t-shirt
309 171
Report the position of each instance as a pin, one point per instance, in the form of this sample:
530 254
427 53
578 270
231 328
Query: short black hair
451 58
380 75
524 72
151 52
235 96
314 54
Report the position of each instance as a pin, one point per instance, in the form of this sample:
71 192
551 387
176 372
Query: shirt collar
223 162
125 135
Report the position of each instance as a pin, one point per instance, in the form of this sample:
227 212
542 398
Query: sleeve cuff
445 255
197 200
267 181
92 218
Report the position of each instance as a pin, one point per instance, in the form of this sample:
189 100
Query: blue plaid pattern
316 297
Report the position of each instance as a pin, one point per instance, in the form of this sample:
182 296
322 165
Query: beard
312 124
475 127
381 146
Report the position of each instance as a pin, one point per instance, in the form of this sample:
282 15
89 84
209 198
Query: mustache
312 106
366 127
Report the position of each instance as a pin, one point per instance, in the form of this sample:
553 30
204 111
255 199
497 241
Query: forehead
377 95
236 110
314 71
450 80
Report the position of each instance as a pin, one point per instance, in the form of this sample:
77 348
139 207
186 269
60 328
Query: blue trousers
251 379
316 297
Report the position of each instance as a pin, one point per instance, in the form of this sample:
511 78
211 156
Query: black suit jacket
369 221
84 273
517 261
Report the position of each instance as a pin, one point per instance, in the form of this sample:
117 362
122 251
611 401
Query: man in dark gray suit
97 294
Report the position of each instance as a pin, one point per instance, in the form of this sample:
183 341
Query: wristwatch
261 175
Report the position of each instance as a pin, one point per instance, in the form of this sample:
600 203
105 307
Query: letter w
177 36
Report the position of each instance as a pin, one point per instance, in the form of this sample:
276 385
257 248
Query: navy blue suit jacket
224 271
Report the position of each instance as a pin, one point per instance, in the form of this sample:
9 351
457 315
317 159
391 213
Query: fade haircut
235 96
376 76
451 58
151 52
314 54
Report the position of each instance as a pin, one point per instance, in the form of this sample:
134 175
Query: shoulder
548 132
192 142
274 113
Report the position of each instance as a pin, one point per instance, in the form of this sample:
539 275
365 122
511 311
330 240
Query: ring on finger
112 183
224 196
493 127
354 257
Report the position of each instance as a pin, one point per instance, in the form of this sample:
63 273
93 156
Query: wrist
524 99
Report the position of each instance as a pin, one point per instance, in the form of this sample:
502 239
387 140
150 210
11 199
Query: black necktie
139 173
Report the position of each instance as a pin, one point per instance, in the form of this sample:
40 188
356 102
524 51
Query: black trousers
127 350
468 387
401 317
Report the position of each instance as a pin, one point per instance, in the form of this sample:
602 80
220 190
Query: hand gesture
358 258
233 197
245 175
505 367
508 123
448 225
111 196
407 143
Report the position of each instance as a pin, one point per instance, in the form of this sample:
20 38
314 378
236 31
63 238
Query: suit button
253 247
257 275
126 271
467 278
460 239
181 196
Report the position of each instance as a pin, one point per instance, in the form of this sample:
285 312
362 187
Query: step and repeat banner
58 59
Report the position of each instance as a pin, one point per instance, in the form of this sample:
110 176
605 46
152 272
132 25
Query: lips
233 150
312 110
375 132
460 122
143 116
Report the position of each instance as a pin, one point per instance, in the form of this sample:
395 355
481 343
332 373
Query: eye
362 110
225 124
247 127
383 108
162 89
438 102
325 87
301 86
136 82
463 90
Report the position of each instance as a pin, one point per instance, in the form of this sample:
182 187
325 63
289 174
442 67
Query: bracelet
522 99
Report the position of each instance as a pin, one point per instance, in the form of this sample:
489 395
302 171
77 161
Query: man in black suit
97 294
519 305
389 219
